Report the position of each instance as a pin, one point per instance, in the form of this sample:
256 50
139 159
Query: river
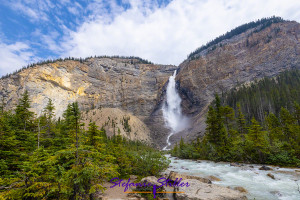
255 181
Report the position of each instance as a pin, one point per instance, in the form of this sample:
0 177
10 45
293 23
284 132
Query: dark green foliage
228 138
268 95
126 125
259 24
44 158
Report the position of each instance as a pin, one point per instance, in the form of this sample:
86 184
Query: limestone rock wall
239 60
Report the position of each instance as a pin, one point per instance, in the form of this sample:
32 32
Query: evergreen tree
94 136
241 122
274 128
257 141
24 116
181 144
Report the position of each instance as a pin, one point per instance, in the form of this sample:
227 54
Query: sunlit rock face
239 60
127 84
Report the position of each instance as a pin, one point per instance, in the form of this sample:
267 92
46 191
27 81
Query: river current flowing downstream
258 184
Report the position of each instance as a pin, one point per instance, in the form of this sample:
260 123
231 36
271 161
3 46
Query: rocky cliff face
243 58
127 84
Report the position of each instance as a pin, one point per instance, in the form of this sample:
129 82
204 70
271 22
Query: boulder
134 195
271 176
153 180
150 179
265 168
235 165
202 191
133 177
213 178
240 189
173 175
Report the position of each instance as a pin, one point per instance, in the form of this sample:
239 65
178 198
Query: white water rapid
172 111
259 185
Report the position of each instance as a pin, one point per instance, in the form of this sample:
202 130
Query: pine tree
46 124
212 126
181 144
23 115
23 123
274 128
287 121
94 135
2 105
297 112
257 141
241 122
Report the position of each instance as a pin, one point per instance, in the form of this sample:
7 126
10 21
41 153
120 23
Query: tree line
267 95
42 157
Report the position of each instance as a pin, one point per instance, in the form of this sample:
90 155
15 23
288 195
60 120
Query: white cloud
167 34
14 56
34 10
163 34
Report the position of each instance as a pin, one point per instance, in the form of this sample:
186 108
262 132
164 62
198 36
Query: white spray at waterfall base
171 108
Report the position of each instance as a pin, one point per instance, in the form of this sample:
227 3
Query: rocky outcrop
116 121
241 59
202 191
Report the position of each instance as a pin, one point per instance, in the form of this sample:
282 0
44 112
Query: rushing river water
255 181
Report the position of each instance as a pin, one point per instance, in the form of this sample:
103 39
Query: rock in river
173 175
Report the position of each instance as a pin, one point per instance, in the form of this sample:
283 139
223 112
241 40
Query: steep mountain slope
124 83
250 55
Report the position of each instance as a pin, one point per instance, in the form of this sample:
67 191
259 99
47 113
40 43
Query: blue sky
163 31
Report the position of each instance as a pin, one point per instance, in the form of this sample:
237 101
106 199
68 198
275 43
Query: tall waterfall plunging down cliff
172 111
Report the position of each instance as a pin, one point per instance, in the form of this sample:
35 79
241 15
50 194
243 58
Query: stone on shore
213 178
173 175
150 179
240 189
235 165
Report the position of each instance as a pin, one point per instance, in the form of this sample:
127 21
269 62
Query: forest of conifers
259 123
45 158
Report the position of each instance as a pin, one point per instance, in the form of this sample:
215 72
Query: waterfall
172 111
